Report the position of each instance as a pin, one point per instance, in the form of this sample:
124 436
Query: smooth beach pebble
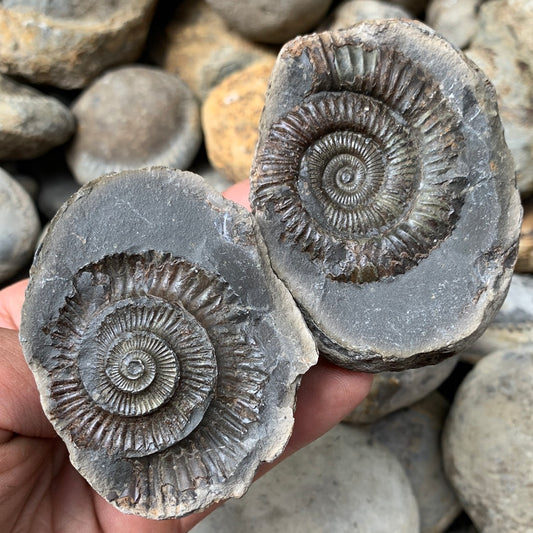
19 226
133 117
457 21
344 482
67 44
348 13
31 123
271 21
488 442
230 119
391 391
413 435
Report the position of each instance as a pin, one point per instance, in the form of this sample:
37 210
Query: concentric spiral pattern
362 174
137 343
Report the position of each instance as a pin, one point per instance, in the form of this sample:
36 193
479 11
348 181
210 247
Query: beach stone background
222 64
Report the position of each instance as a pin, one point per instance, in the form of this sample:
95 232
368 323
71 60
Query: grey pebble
391 391
488 442
134 117
350 12
414 435
19 226
271 21
343 482
31 123
454 19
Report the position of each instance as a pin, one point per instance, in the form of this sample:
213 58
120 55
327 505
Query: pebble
271 21
19 226
198 46
343 482
503 48
134 117
31 123
413 435
512 325
67 44
351 12
230 119
455 20
394 390
488 442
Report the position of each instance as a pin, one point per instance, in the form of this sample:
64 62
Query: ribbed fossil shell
166 352
368 175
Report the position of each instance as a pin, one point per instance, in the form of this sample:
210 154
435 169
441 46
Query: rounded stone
134 117
343 482
413 435
457 21
351 12
198 46
512 326
271 21
488 442
67 44
166 352
230 119
19 226
503 48
390 273
391 391
31 123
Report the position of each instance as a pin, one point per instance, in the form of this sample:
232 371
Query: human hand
41 491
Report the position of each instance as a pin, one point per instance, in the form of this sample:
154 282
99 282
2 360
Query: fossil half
385 192
166 352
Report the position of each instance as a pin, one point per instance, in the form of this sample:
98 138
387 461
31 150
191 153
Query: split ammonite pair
165 347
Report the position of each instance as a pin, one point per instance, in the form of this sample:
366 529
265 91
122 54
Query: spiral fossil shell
166 352
375 171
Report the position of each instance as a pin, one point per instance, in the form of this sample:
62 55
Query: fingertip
11 300
239 193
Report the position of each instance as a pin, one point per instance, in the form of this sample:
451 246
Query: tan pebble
230 119
199 47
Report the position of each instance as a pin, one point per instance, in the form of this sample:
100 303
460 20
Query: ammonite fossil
166 352
385 193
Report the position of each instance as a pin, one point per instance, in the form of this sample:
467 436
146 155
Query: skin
41 491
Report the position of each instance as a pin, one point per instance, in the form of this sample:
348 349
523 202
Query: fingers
11 299
239 193
20 408
327 394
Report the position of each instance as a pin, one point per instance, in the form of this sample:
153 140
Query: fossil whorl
371 162
166 352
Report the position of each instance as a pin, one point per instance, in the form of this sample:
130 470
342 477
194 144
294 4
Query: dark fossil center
346 184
